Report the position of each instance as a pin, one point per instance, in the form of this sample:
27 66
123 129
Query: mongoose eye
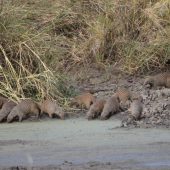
91 103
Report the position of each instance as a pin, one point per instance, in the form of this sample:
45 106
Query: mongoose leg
37 115
51 115
20 118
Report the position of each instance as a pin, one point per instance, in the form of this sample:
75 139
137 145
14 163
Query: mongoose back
95 109
111 106
51 108
84 100
162 79
124 96
25 108
5 110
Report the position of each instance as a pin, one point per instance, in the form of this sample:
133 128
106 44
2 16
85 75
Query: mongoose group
11 111
122 99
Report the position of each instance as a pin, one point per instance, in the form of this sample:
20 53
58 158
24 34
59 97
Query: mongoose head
12 115
149 82
95 109
137 97
116 95
91 114
10 118
124 105
60 113
112 106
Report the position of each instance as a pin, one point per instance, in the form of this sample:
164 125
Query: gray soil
81 144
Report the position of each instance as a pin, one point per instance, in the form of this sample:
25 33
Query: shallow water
79 141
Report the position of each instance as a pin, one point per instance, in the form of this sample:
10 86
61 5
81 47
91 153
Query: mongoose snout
136 108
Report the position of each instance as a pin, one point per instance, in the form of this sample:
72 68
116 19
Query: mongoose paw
103 118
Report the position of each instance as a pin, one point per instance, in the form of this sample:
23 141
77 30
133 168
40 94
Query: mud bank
156 102
81 144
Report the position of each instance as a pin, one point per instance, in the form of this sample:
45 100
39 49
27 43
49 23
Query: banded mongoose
6 109
95 109
111 107
161 79
84 100
24 109
51 107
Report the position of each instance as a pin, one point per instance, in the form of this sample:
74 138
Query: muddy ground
156 102
76 144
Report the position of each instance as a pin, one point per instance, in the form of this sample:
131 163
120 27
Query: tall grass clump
134 33
143 33
23 72
41 39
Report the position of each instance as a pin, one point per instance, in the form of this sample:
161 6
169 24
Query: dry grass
40 38
133 32
23 71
